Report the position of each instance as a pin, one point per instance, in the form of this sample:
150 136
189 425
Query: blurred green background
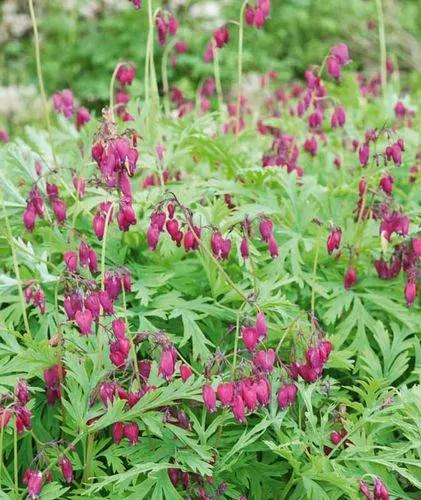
82 40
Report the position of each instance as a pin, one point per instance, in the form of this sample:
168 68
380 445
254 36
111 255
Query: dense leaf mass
214 297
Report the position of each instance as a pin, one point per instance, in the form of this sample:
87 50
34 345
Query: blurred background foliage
82 40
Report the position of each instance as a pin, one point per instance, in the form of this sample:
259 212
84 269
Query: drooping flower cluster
52 378
380 492
64 103
316 359
124 76
166 24
257 15
14 405
35 295
116 158
338 57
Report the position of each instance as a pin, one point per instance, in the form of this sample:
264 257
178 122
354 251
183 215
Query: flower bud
185 372
334 240
265 228
66 469
350 278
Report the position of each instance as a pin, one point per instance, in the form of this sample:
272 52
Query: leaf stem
16 268
240 61
382 42
217 76
41 80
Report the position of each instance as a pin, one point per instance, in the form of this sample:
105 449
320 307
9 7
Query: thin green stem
111 91
217 76
41 80
132 346
237 336
316 259
240 62
16 268
2 426
104 244
164 72
15 456
382 42
87 474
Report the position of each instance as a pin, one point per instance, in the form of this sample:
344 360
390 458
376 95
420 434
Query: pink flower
264 360
82 117
286 395
340 52
273 247
350 278
249 15
4 418
29 216
364 489
119 328
265 228
263 391
60 210
63 102
172 26
310 145
209 397
152 236
181 47
66 469
238 409
333 67
386 184
70 259
410 292
185 372
98 224
125 74
261 326
400 110
33 480
221 36
338 117
117 432
250 337
225 393
4 136
161 28
380 491
84 321
364 154
244 248
131 432
167 363
334 240
22 392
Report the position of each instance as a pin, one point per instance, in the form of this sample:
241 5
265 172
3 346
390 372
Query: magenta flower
84 321
209 397
221 36
350 278
225 393
66 469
